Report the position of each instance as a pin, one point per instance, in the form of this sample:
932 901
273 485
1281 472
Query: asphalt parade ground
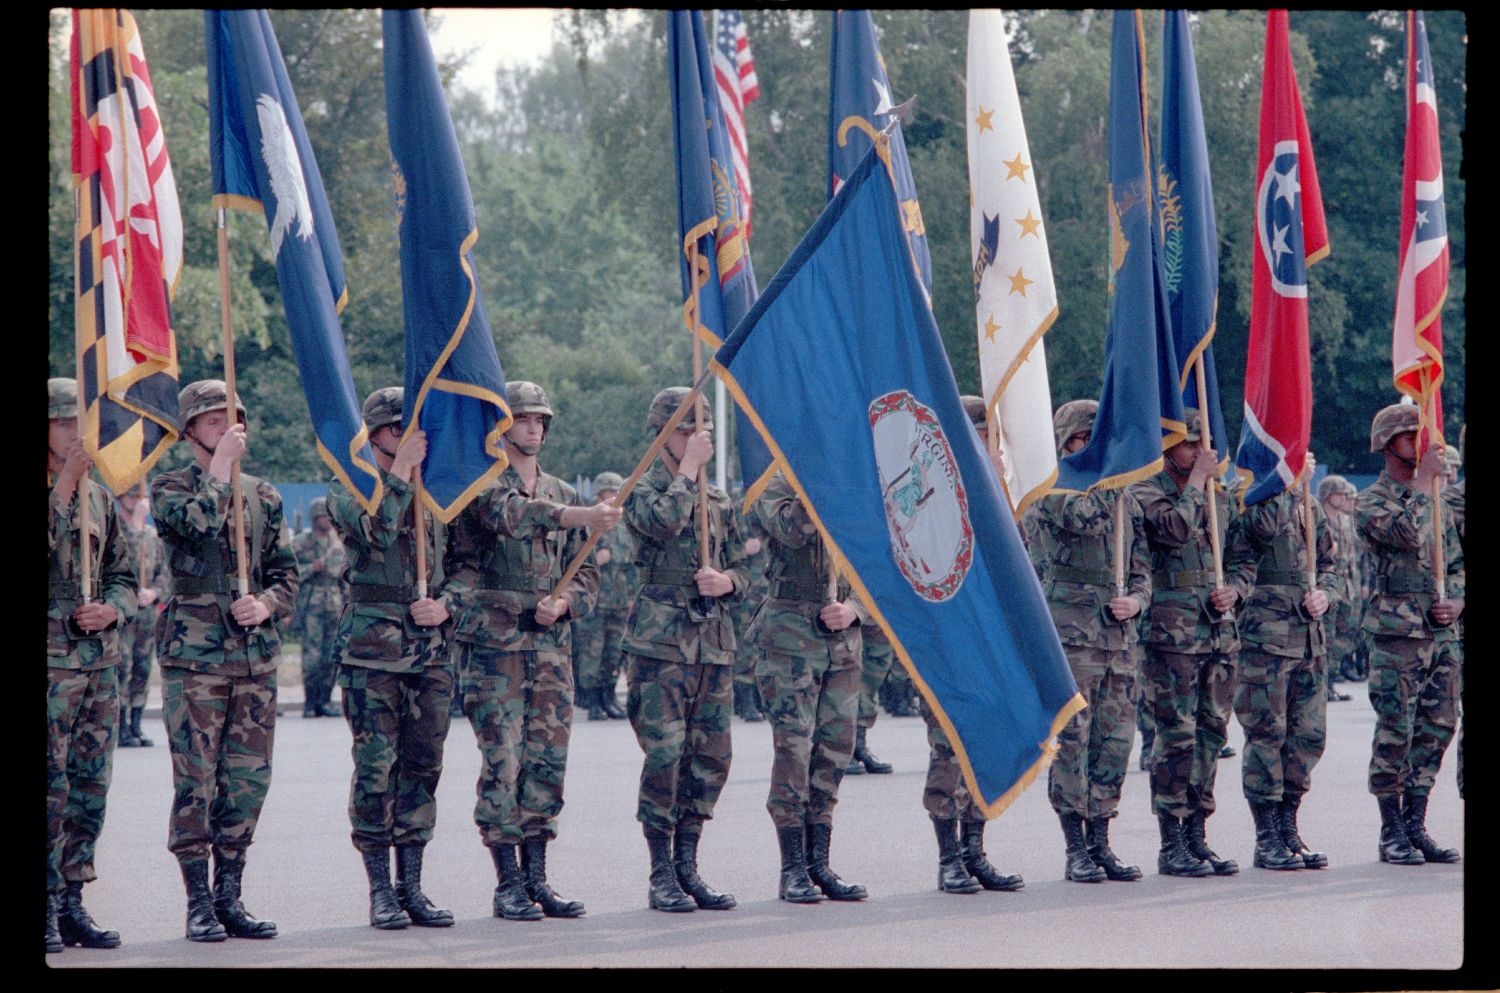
1359 918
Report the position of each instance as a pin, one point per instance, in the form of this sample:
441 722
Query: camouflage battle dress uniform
809 680
877 665
747 702
138 635
1281 695
1345 648
507 551
599 633
320 602
1453 498
82 695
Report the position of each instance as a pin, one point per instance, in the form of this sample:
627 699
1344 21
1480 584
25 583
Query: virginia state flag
128 244
453 374
1422 283
865 420
262 161
718 281
1290 235
859 107
1140 406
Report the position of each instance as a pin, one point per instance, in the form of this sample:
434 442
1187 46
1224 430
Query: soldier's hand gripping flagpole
231 403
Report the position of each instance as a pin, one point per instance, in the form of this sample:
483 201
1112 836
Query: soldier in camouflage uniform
1415 648
809 640
1280 698
138 635
394 669
1453 498
1337 496
83 646
1192 641
599 633
320 600
219 653
679 652
877 666
747 702
1073 538
506 554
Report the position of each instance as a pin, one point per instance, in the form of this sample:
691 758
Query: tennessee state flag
1422 286
1290 235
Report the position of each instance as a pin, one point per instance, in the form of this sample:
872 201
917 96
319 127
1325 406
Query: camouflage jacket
379 559
1072 541
1346 554
194 514
506 552
323 590
1270 536
662 515
1395 522
786 622
1181 619
112 580
148 559
618 577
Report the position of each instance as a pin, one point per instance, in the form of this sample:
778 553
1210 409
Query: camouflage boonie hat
974 407
1194 423
202 397
608 481
1330 485
665 404
1398 418
383 407
527 398
62 397
1073 417
318 508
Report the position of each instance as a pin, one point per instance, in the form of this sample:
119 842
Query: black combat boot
1395 846
202 925
54 938
229 908
1227 752
534 871
1271 850
971 843
1414 815
953 875
1104 857
864 756
126 736
819 836
665 892
385 912
136 713
409 893
1078 867
796 886
685 863
511 900
76 926
612 708
593 699
745 703
1195 839
1292 837
1174 858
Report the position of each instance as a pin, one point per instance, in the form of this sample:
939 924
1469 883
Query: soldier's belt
516 584
1405 583
375 593
785 589
1188 579
201 585
1280 577
1073 574
670 577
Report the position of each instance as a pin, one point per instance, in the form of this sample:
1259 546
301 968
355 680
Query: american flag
734 73
1422 285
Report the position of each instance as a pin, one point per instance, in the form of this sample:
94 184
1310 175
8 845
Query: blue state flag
1140 406
864 418
262 161
860 106
454 386
718 279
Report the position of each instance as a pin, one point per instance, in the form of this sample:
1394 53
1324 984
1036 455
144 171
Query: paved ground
1355 916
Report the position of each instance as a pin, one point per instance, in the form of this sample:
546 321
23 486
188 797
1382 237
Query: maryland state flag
452 369
865 420
1422 283
1290 235
128 251
262 161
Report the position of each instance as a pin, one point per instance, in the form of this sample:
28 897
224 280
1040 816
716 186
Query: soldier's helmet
608 481
528 398
202 397
383 407
1388 422
1194 421
318 508
62 397
974 407
665 404
1330 485
1073 417
1451 457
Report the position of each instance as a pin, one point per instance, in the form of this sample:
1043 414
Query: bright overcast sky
508 35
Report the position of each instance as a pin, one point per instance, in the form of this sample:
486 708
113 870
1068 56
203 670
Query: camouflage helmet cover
1330 485
1073 417
1194 421
608 481
527 398
204 396
383 407
318 508
62 397
665 404
1398 418
974 407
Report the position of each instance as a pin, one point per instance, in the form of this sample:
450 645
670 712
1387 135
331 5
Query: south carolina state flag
1290 235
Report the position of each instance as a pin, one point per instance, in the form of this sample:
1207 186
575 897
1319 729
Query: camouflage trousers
945 796
879 660
812 702
1282 703
1414 690
399 724
1190 698
1345 644
520 705
320 654
137 652
220 730
680 712
1093 749
82 709
597 644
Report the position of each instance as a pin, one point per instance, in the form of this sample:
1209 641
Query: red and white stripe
734 74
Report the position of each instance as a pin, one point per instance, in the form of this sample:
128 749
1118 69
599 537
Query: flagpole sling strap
1439 564
231 399
1204 432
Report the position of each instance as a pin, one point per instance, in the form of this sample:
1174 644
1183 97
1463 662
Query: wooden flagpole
1309 530
232 402
1120 543
703 550
1205 433
1439 565
420 520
